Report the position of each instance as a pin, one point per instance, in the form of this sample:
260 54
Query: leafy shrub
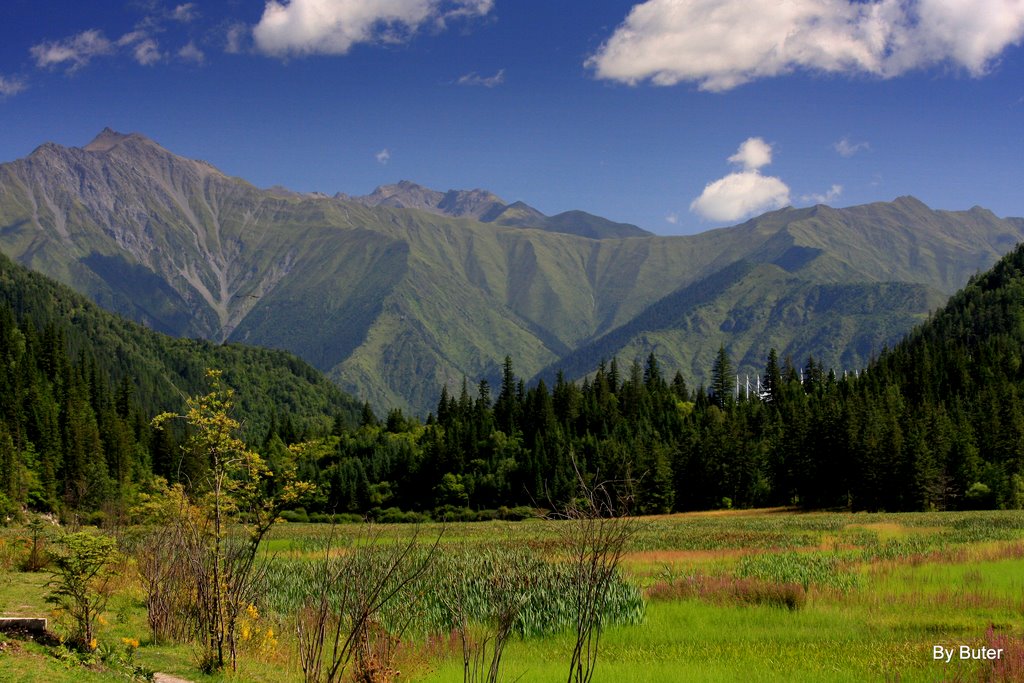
516 514
397 516
297 515
336 518
82 570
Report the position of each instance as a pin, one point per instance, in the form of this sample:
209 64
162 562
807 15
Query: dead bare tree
481 657
340 620
595 532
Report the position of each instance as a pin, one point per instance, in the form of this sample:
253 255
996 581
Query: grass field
740 596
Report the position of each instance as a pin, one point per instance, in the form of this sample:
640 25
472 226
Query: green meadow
730 596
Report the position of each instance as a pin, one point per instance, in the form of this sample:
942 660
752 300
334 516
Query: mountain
270 385
394 301
754 307
836 284
487 207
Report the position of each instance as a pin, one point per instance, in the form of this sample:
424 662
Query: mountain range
396 293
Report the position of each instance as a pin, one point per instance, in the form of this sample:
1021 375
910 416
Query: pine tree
722 379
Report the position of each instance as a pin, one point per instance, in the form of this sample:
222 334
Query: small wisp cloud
745 192
846 148
473 78
828 197
72 53
141 44
10 85
191 53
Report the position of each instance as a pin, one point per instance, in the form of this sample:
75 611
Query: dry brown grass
890 530
752 512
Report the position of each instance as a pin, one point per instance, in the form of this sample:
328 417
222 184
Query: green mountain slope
163 370
397 297
749 307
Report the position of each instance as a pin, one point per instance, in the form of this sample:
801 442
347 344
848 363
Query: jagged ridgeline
79 386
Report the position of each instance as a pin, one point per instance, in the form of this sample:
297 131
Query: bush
9 511
451 513
298 515
82 570
397 516
517 514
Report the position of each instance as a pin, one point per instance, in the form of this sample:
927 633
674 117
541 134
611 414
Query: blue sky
676 115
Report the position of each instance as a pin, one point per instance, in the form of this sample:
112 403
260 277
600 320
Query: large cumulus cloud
720 44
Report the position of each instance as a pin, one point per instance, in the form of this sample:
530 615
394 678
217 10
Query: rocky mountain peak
406 194
106 140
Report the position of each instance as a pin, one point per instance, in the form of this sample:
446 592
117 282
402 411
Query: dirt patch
167 678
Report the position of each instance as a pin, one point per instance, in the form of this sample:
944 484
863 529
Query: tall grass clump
820 570
477 576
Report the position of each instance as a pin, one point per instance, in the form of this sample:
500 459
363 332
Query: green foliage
82 567
236 503
806 570
473 577
935 424
80 385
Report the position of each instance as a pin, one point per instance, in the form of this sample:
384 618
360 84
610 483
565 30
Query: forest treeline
79 386
934 423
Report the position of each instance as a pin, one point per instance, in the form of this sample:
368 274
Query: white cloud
10 85
237 36
847 148
74 52
77 51
302 27
383 157
833 194
185 13
146 52
739 195
720 44
752 154
144 48
672 218
191 53
473 78
744 193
